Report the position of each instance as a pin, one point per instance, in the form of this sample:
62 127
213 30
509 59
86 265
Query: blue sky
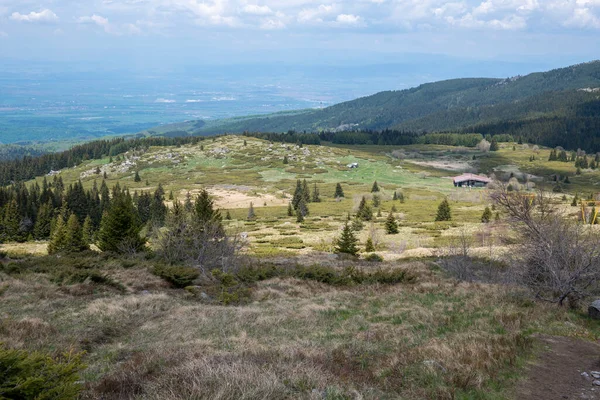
174 32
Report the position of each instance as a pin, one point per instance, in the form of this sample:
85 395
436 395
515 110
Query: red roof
471 177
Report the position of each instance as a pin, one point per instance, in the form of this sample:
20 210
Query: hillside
446 105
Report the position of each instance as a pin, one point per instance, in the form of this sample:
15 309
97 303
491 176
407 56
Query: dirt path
556 373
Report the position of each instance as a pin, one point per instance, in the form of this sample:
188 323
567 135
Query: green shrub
25 375
178 276
374 257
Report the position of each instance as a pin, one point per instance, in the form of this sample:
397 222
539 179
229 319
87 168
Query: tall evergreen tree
298 195
375 187
339 192
74 241
204 210
347 242
120 227
443 212
315 195
87 231
305 191
290 210
251 214
486 216
43 222
391 226
494 145
137 177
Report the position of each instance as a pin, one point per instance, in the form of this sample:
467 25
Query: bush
25 375
176 275
374 257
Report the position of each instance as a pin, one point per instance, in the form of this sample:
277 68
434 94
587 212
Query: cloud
583 18
44 16
348 19
272 24
308 15
3 34
254 9
97 20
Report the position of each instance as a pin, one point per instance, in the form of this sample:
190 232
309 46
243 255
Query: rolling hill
447 105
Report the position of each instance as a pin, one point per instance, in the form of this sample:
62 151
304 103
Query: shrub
178 276
374 257
25 375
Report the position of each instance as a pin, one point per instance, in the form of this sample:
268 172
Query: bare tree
557 258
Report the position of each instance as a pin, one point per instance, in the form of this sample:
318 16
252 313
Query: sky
180 32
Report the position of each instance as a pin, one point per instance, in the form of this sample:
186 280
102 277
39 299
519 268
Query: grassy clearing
429 337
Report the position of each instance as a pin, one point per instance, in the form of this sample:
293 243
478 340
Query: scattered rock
596 383
594 310
595 374
585 375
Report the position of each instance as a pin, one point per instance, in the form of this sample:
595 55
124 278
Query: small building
471 180
353 165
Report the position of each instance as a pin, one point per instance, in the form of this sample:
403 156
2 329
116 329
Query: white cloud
255 9
97 20
348 19
272 24
44 16
3 34
583 18
315 14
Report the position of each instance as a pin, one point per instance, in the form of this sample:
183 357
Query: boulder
594 310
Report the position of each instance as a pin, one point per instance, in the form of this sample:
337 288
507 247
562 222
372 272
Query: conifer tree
290 210
303 208
401 197
11 222
365 212
120 226
339 192
369 247
376 201
347 242
487 215
305 191
204 211
43 222
58 240
395 197
74 236
171 196
575 200
391 226
228 216
299 216
375 187
188 205
315 195
443 212
158 210
87 231
137 177
251 213
297 194
285 159
494 145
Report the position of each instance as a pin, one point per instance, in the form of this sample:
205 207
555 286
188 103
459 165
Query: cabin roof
471 177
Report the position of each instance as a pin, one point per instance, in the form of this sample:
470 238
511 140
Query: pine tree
365 212
74 241
290 210
137 177
487 215
376 201
391 226
228 216
299 216
245 143
494 145
58 240
575 200
204 211
87 231
251 214
302 208
339 192
171 196
43 222
347 242
395 197
297 194
567 179
11 222
401 197
315 195
443 212
375 187
305 191
369 247
120 226
158 210
285 159
578 171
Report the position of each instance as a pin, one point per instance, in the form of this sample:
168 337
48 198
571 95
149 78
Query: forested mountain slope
446 105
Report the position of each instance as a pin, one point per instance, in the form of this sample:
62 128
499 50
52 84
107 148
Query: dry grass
435 338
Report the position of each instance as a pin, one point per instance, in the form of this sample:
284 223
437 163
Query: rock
585 375
596 383
594 310
595 374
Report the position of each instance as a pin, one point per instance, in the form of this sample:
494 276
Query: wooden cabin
471 180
